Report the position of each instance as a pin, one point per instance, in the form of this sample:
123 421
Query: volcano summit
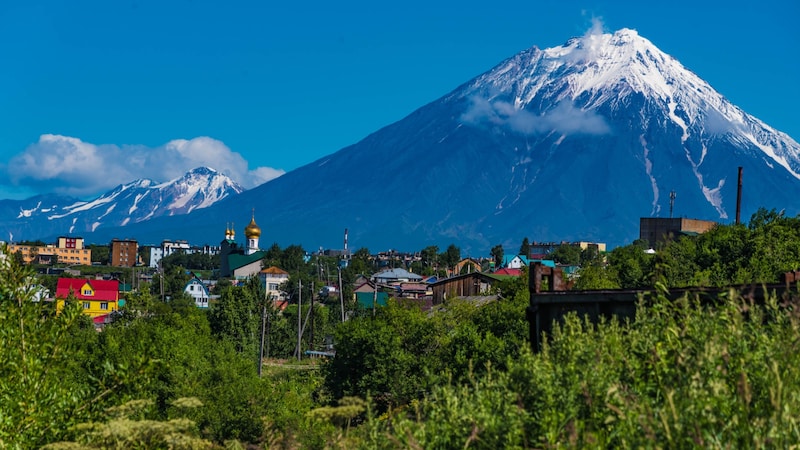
575 142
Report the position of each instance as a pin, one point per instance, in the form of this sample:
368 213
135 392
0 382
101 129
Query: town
426 277
316 341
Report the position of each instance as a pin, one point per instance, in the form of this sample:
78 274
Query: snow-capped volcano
129 203
575 142
620 89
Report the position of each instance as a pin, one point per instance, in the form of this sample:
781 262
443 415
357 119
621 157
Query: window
273 286
191 288
87 292
104 305
85 305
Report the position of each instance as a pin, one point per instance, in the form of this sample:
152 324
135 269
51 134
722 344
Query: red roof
510 272
102 320
103 290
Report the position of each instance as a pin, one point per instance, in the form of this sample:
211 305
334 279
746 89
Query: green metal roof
238 260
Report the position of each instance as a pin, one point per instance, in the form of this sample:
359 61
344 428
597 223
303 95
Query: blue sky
96 93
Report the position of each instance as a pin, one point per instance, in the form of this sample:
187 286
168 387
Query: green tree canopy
525 248
497 255
567 254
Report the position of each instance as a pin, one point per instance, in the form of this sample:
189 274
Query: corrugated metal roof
104 290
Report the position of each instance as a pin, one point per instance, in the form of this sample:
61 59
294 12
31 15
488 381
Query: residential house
515 261
198 291
416 290
39 293
362 284
506 272
272 278
467 265
98 297
392 276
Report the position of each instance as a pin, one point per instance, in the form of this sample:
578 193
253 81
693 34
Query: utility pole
161 278
263 329
341 295
311 312
374 297
299 315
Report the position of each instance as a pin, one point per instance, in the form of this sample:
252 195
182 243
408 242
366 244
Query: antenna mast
671 202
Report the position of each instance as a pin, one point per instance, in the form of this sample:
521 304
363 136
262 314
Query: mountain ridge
574 142
128 203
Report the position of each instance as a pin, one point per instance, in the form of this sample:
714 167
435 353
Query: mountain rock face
127 204
575 142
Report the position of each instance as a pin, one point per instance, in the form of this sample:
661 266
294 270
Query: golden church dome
252 230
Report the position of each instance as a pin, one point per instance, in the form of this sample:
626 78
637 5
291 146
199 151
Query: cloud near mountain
563 118
70 166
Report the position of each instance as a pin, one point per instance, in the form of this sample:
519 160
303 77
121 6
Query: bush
680 375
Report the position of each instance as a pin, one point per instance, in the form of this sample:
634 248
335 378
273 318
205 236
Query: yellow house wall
93 310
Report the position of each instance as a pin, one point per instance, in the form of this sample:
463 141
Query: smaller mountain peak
203 170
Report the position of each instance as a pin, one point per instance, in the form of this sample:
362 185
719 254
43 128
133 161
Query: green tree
100 254
740 357
360 264
430 256
385 357
273 256
567 254
525 248
293 258
595 275
590 255
632 266
43 385
170 282
497 255
676 263
451 256
236 317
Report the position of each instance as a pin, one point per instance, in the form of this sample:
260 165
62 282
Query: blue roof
508 258
397 274
545 262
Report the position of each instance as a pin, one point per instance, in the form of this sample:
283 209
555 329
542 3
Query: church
237 261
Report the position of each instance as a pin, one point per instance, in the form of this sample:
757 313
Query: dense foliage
192 261
169 375
726 255
681 375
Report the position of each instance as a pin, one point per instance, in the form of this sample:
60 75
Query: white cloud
590 43
67 165
563 118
